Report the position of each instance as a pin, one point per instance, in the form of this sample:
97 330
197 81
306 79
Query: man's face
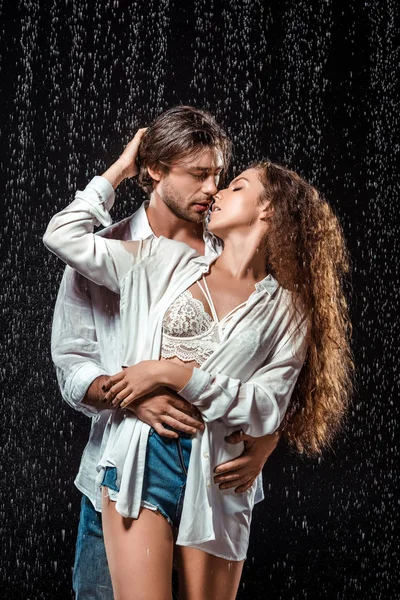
189 186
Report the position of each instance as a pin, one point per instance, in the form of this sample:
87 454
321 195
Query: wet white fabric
262 350
86 337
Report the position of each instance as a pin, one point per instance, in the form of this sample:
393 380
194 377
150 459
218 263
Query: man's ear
155 173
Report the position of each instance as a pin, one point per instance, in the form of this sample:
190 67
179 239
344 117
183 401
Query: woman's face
237 207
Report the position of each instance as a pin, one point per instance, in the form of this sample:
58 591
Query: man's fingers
184 406
233 476
236 437
244 488
233 465
239 484
133 146
137 138
184 418
165 432
178 425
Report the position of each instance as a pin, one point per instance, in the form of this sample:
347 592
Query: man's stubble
176 203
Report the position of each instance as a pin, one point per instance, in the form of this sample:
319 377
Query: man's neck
165 223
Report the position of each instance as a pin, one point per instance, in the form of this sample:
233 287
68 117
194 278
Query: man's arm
74 347
241 472
161 407
164 407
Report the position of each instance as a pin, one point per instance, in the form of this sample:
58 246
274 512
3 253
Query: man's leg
91 579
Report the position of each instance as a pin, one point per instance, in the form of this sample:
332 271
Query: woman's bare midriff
195 412
178 361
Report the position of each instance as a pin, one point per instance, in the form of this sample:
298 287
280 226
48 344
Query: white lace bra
189 332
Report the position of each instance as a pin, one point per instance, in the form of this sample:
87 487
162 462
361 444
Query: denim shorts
164 483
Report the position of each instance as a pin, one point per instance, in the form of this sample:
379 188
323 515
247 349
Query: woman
282 263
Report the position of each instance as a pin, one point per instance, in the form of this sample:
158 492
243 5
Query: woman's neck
243 259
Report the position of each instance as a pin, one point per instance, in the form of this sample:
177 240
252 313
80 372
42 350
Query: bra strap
232 312
207 294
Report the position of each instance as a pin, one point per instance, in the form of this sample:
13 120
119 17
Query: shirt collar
140 229
269 284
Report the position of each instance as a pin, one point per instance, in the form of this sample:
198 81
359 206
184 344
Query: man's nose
210 186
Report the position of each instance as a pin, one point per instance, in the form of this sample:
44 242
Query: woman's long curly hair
307 254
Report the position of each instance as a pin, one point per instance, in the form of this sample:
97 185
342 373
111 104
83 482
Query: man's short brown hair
179 133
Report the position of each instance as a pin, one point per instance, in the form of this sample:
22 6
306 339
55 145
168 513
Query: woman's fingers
114 390
112 380
125 397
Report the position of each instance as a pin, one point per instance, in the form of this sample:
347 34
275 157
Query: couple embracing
194 333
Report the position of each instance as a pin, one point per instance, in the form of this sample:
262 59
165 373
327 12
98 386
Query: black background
310 84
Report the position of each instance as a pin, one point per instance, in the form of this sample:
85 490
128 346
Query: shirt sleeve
258 405
74 347
70 236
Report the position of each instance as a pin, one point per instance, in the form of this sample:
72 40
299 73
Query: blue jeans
167 461
91 578
164 483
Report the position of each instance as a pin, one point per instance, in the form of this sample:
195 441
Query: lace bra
189 332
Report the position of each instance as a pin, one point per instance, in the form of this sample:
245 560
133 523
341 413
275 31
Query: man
182 156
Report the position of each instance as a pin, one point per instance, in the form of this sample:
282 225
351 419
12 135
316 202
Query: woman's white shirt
245 384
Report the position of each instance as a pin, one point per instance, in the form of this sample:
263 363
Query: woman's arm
256 406
137 381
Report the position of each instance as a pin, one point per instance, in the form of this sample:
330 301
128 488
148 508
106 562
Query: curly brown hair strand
307 254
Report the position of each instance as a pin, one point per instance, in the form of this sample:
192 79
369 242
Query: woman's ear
267 211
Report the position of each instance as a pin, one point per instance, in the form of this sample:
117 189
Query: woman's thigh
139 553
204 576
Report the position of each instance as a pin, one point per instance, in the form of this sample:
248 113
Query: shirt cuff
196 385
99 193
80 383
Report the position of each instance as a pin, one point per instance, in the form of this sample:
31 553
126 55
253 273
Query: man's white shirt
88 340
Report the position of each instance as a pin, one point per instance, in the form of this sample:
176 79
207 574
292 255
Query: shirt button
206 455
208 484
